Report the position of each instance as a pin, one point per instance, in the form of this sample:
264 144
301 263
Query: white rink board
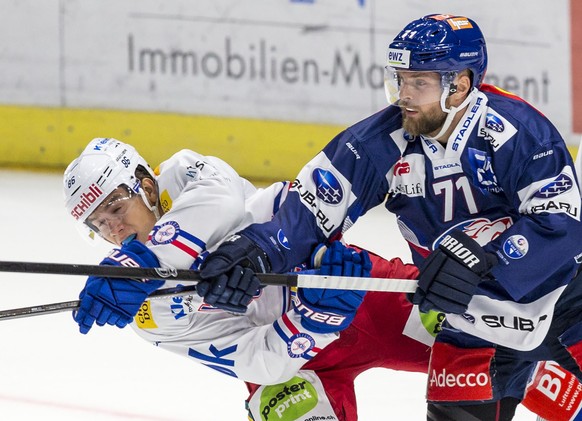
317 61
51 372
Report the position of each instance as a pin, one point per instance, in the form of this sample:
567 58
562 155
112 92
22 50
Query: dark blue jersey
505 178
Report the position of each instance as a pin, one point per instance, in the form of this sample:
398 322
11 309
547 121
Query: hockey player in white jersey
172 219
486 196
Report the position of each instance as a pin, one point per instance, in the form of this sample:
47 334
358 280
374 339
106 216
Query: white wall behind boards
317 61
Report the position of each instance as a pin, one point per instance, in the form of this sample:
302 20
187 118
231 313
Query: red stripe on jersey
496 90
185 248
289 324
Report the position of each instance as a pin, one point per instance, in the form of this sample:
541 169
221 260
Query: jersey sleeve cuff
300 342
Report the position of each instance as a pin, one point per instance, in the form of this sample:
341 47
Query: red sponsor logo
87 199
458 374
553 393
401 168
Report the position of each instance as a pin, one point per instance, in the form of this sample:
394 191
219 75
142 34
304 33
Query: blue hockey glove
332 310
339 260
228 274
450 276
116 301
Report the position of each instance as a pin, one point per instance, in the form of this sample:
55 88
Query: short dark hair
141 173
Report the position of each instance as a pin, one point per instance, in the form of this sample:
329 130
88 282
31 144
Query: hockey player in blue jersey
486 196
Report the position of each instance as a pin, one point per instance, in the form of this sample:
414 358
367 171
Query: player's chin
410 125
141 237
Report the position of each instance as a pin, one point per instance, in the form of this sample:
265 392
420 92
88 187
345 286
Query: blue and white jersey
505 178
205 200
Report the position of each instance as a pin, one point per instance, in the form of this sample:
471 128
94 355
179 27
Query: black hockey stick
17 313
127 272
296 279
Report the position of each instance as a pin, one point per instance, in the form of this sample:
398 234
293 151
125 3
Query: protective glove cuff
237 249
466 251
322 319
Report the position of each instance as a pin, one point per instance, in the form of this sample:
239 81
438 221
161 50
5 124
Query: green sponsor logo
288 401
432 321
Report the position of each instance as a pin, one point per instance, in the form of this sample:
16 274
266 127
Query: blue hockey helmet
441 43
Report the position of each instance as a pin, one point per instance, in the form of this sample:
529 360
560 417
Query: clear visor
408 88
105 220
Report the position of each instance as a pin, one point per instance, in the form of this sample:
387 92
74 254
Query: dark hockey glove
116 301
332 310
228 274
450 276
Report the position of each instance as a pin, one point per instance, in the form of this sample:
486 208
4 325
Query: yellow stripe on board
50 138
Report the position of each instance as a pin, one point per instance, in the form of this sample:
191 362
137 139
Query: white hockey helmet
104 165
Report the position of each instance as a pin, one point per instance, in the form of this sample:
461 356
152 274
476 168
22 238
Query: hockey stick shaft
289 280
294 279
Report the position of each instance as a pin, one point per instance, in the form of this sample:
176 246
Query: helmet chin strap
451 112
153 208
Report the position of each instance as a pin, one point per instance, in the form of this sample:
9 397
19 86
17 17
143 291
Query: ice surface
51 372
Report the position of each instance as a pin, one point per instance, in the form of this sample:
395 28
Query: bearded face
419 99
429 100
422 120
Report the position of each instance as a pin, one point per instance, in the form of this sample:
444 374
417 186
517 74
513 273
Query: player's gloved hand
450 276
339 260
332 310
116 301
228 274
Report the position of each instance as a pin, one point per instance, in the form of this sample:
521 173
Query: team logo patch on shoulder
560 185
299 345
328 186
556 194
494 123
496 129
516 246
165 233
